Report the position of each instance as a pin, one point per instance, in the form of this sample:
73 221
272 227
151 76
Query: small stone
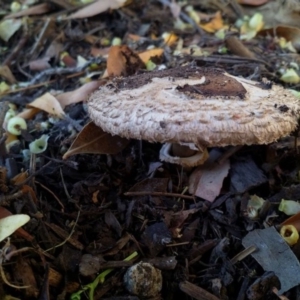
143 280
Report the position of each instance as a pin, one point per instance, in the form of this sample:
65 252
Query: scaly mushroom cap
204 106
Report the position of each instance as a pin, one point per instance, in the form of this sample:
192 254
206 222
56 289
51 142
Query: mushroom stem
182 155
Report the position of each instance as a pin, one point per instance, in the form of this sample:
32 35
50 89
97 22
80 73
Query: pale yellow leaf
6 73
96 8
49 104
9 27
10 224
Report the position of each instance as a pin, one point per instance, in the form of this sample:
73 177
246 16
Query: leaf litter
98 203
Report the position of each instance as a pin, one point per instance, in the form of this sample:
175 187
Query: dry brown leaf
96 52
3 180
215 23
276 12
6 73
151 185
67 60
54 49
288 32
19 178
122 61
24 275
79 94
28 113
253 2
96 8
179 218
293 220
33 10
49 104
55 278
148 54
65 235
206 181
26 189
40 64
92 139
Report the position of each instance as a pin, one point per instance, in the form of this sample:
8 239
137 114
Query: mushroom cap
204 106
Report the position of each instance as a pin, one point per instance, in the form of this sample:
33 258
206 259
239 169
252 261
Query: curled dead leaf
148 54
49 104
28 113
92 139
122 61
290 33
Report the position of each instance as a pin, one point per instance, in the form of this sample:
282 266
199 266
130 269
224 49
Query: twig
68 237
10 284
40 38
184 17
240 256
64 186
237 8
228 153
30 176
62 71
159 194
4 200
54 196
3 110
16 50
196 292
177 244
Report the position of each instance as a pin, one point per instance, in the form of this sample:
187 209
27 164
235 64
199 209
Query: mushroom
196 108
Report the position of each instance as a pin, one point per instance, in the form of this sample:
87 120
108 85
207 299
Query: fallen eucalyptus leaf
92 139
10 224
9 27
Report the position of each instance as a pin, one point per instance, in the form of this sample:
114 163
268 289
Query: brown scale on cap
202 106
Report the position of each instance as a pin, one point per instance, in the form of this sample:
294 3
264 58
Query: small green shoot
99 279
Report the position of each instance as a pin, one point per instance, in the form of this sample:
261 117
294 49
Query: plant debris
81 206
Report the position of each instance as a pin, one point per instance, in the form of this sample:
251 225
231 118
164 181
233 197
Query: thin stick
160 194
